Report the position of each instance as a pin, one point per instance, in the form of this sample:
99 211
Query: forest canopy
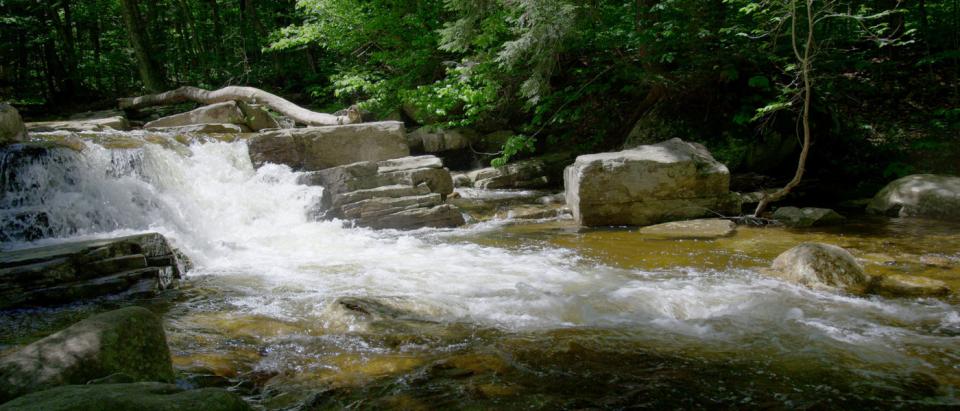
563 75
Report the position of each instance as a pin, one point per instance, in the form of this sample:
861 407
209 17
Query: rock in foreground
405 193
920 195
673 180
318 148
130 341
821 266
64 273
142 396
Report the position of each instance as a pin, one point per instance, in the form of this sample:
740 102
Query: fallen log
246 94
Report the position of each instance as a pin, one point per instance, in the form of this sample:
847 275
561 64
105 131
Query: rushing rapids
290 311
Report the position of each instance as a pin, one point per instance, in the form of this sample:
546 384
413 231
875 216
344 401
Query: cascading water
302 306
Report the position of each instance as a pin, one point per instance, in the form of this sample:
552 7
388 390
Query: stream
498 314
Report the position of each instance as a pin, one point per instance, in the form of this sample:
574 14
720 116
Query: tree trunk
805 69
217 28
151 72
247 94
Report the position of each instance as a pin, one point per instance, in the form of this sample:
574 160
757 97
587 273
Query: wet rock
318 148
404 193
256 117
935 260
897 285
90 115
220 113
461 180
704 228
12 129
63 273
673 180
807 217
118 123
920 195
141 396
533 212
130 341
204 128
821 266
538 172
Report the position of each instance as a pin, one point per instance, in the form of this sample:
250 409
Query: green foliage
516 144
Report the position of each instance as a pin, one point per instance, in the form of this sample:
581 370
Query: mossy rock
142 396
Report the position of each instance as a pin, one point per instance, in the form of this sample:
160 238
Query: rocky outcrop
404 193
807 217
538 172
64 273
12 129
920 195
673 180
142 396
128 341
118 123
694 229
318 148
243 116
821 266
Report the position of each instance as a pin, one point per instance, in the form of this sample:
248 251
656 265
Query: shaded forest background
577 76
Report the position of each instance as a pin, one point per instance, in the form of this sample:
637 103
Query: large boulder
821 266
318 148
141 396
12 129
920 195
128 341
672 180
807 217
403 193
64 273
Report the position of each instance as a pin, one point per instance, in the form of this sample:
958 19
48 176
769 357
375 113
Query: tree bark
151 72
247 94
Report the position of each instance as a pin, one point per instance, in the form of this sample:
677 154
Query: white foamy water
247 231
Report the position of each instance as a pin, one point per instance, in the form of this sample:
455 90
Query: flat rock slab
118 123
318 148
63 273
696 229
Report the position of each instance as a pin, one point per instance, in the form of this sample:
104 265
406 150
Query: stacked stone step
403 193
63 273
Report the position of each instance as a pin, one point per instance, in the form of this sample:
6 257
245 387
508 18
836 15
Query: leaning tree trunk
246 94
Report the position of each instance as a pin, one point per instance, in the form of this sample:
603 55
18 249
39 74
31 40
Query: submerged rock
68 272
12 129
404 193
807 217
896 285
703 228
141 396
130 341
673 180
318 148
821 266
920 195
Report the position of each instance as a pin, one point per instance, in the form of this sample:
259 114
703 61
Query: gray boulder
672 180
256 117
130 341
141 396
220 113
436 140
404 193
318 148
807 217
537 172
68 272
919 195
12 129
821 266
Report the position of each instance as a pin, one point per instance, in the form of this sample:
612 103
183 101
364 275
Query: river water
493 315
